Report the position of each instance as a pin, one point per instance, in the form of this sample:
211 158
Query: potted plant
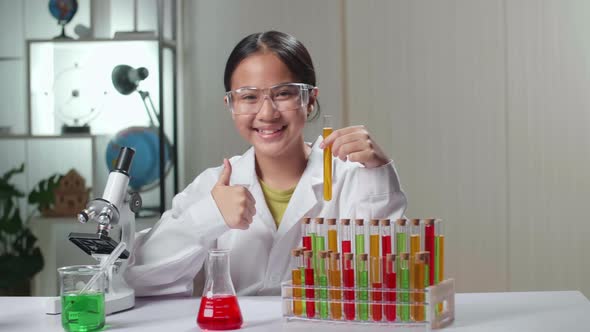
20 259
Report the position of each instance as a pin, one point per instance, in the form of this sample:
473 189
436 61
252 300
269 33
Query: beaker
82 311
219 308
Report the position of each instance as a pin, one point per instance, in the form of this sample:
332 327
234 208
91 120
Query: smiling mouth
270 131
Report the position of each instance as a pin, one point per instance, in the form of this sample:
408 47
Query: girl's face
272 133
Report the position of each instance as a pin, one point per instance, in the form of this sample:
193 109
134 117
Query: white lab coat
166 258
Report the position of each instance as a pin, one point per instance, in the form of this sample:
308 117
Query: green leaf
13 171
14 224
8 191
43 194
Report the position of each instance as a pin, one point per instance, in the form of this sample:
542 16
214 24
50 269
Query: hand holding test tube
354 144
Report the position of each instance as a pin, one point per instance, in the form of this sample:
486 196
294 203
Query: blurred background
483 104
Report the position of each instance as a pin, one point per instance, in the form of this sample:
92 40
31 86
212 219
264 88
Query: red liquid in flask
220 313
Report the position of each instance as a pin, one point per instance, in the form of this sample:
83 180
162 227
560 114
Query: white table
532 311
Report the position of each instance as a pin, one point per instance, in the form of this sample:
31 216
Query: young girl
252 204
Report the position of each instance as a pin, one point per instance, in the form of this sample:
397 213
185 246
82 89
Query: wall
482 104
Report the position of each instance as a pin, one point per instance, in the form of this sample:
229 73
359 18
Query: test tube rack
434 318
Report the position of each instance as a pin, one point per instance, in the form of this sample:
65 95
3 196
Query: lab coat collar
307 193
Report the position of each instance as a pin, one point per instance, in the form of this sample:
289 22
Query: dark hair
291 52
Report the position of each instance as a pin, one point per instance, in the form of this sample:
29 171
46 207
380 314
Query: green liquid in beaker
82 312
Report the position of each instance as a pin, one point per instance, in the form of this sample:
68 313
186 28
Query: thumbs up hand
236 204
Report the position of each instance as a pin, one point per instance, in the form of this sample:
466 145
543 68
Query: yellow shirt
276 200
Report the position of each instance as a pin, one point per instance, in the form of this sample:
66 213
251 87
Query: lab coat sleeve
377 193
167 257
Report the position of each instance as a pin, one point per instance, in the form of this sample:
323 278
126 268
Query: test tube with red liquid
348 280
390 285
309 284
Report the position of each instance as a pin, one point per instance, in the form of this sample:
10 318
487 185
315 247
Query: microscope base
113 303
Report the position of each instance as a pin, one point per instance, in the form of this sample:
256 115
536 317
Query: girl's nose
268 110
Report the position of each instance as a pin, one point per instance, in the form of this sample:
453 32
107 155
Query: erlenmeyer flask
219 305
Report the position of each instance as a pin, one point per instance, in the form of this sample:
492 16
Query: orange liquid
327 167
335 295
418 308
297 292
374 245
333 240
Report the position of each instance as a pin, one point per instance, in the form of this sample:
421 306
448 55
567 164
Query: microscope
114 213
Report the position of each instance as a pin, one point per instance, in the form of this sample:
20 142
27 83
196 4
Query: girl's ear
313 97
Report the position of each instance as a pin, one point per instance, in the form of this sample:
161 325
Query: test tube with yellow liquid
327 159
297 281
332 235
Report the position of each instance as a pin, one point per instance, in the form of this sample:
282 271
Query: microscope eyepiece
124 160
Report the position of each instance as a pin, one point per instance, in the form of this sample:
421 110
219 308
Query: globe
145 169
63 10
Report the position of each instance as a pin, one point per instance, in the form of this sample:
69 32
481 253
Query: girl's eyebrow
255 87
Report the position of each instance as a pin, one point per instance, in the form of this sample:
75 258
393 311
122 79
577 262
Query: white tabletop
531 311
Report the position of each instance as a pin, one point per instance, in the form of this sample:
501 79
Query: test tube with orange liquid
327 159
297 278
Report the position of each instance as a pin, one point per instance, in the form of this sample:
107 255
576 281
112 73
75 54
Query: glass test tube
336 284
348 280
415 247
401 243
309 284
332 235
327 130
319 243
374 266
306 233
420 282
438 252
323 283
385 237
404 286
376 293
296 279
302 269
359 242
362 286
429 239
385 243
346 236
401 236
374 248
390 285
439 248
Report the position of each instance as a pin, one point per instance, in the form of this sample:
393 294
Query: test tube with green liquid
363 285
359 242
319 242
439 264
323 284
401 246
404 286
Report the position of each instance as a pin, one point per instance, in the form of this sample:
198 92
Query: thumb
225 174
